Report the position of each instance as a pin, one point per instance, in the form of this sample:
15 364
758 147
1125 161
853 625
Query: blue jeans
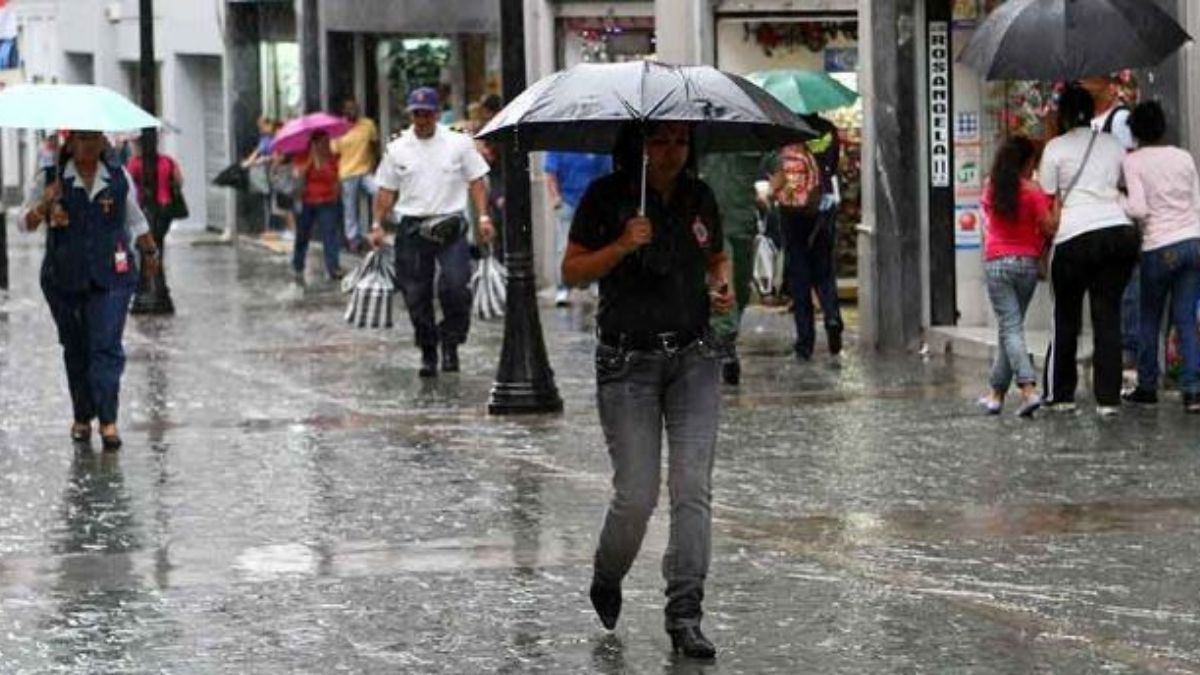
1131 324
325 217
1175 271
641 393
352 188
90 325
417 260
809 241
562 235
1011 282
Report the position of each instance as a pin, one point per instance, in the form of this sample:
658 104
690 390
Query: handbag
489 288
177 208
767 275
1045 259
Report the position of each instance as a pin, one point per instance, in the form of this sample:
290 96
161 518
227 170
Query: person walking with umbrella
318 169
1095 250
89 207
662 270
427 174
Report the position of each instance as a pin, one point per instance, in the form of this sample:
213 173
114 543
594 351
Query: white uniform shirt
1094 203
135 220
430 175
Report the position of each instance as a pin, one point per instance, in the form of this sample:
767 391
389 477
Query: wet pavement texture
291 497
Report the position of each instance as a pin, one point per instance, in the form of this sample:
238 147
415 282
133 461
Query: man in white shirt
426 174
1112 117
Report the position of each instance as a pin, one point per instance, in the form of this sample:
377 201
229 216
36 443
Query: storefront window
281 94
610 39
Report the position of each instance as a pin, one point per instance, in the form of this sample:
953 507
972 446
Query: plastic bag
371 286
489 285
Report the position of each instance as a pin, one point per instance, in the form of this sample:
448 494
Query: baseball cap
423 98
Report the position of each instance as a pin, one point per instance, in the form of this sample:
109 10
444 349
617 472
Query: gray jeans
639 394
1011 282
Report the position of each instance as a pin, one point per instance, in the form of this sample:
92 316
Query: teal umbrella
805 91
78 107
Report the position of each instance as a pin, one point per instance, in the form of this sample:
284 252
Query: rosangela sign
940 138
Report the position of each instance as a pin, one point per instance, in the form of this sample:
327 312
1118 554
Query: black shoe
1139 395
449 358
110 443
429 362
731 371
81 432
690 642
607 601
835 340
1191 403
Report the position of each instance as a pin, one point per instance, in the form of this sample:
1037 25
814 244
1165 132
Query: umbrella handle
645 166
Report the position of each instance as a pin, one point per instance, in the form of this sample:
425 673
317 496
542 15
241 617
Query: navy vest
83 254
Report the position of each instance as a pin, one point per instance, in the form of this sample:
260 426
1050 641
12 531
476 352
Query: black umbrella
583 109
1054 40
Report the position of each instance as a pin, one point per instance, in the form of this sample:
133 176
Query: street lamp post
153 296
524 383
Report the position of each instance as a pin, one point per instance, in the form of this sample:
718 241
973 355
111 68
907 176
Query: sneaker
562 298
1108 410
1060 407
1140 396
1029 406
1191 403
990 405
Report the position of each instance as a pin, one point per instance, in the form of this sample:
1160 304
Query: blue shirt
575 171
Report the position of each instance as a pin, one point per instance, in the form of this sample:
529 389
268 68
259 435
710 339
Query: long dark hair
1076 108
1011 160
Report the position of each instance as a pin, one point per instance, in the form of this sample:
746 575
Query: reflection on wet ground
292 498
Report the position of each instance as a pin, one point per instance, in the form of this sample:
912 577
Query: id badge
121 261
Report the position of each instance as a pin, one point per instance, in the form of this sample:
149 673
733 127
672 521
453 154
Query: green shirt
731 176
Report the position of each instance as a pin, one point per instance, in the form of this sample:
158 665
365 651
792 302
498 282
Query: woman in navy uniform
661 274
89 207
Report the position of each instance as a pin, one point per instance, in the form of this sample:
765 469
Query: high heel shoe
111 442
690 642
81 433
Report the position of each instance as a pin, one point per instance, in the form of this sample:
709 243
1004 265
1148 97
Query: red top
1019 237
166 169
321 185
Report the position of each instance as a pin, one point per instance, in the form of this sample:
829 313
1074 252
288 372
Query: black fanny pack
437 229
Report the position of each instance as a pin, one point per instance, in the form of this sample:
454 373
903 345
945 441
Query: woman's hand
638 233
721 298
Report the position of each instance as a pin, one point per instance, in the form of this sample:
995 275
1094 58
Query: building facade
78 41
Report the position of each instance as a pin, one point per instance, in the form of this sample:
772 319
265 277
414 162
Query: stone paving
292 498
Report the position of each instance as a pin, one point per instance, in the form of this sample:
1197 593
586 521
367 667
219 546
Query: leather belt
669 342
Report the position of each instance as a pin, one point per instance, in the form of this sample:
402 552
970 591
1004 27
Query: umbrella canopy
79 107
1055 40
804 91
584 107
293 138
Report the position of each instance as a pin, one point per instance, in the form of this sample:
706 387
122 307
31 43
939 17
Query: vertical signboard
940 107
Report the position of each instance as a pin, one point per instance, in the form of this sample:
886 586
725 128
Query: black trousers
1097 264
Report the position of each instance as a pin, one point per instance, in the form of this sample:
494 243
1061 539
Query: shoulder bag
1056 214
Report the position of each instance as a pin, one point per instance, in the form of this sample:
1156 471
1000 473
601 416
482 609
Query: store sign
940 132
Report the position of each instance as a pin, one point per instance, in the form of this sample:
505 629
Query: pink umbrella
293 138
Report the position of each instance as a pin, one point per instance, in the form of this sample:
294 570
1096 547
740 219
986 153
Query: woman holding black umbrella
662 270
1095 250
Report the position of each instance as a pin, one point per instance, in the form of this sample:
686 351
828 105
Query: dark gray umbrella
1056 40
583 108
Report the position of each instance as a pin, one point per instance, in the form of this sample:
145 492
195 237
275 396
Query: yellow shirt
354 148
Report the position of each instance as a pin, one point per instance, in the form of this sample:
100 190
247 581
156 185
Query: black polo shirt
664 286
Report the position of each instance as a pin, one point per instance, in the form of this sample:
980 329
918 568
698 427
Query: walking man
357 150
426 174
568 174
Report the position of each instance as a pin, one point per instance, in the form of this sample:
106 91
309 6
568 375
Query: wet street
292 498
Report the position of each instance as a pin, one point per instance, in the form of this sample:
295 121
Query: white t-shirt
430 175
1120 126
1095 201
